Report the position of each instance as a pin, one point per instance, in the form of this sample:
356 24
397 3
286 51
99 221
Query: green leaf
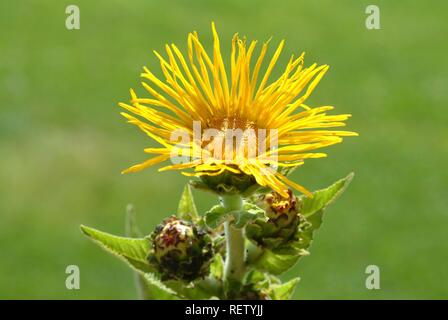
323 198
206 288
187 208
218 214
257 279
131 250
243 217
147 286
217 266
249 213
156 290
283 291
278 260
143 292
252 208
215 216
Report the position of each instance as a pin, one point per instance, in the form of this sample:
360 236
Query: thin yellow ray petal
270 67
258 66
217 57
150 131
168 104
295 185
162 133
265 177
146 164
300 156
320 73
180 166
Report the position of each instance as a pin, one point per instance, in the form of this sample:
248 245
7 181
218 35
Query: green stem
234 267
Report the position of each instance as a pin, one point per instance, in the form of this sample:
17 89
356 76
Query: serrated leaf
145 290
283 291
131 250
187 208
131 230
323 198
277 261
206 288
156 290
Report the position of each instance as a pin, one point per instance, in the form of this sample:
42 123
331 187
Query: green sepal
227 183
269 235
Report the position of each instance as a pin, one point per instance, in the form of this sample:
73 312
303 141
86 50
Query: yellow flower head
200 101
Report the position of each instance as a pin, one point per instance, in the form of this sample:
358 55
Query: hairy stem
234 266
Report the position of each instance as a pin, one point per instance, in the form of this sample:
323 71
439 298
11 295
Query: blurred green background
63 142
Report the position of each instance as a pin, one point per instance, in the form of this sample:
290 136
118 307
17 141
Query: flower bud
281 222
180 250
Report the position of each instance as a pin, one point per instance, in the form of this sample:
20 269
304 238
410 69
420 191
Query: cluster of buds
282 219
180 250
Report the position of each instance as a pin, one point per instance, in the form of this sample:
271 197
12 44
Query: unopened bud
180 250
282 221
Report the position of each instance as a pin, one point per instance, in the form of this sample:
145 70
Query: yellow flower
198 92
